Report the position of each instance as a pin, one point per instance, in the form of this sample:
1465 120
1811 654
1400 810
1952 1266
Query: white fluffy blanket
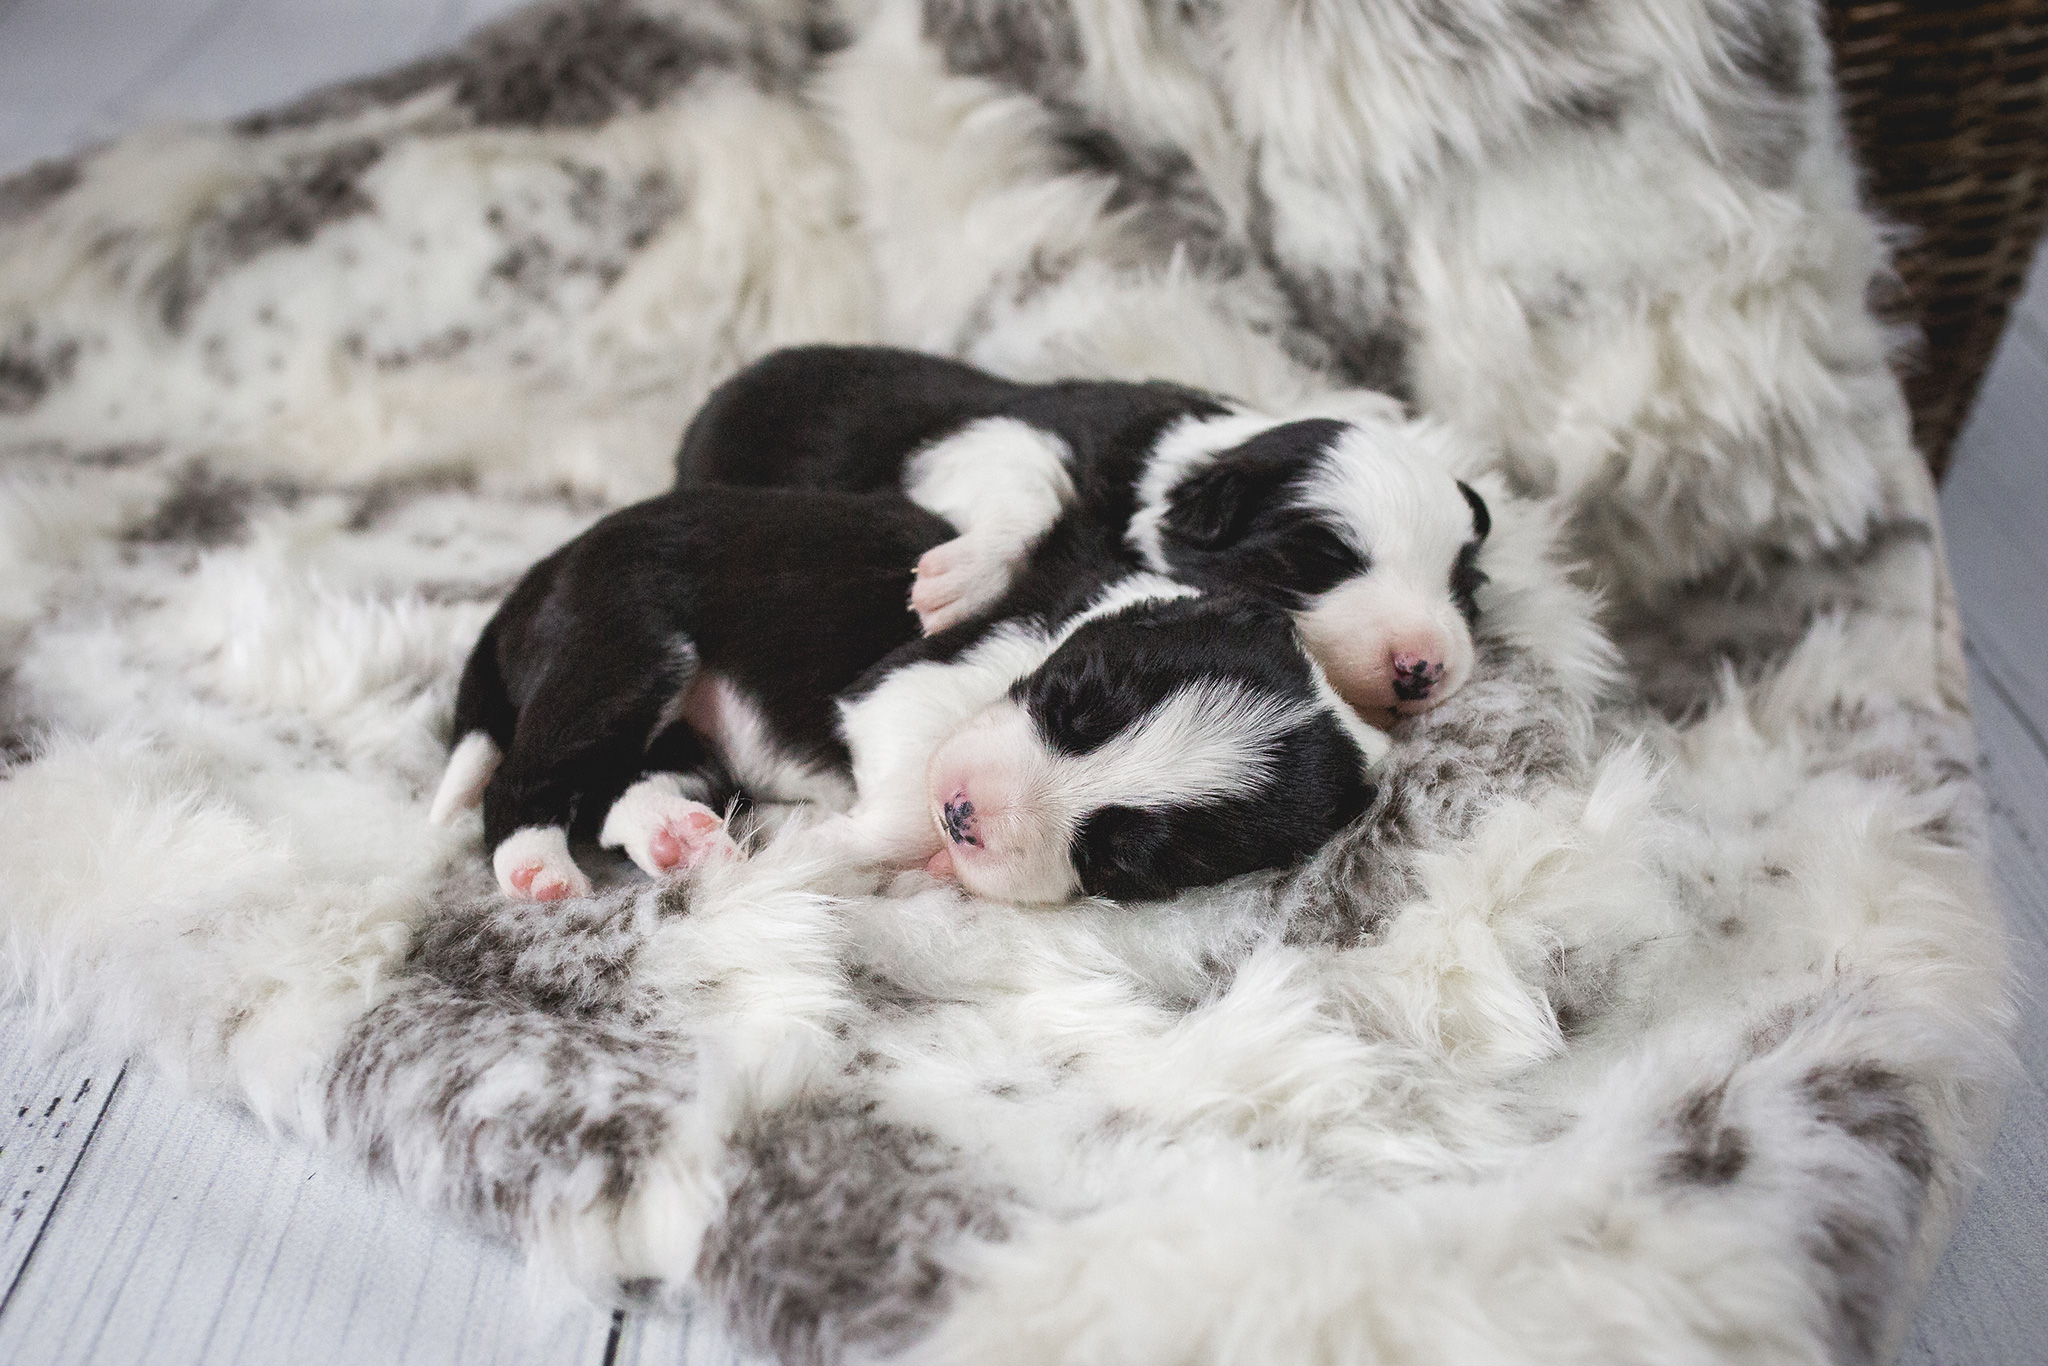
1653 1015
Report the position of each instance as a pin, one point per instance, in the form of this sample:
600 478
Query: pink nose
1415 676
958 818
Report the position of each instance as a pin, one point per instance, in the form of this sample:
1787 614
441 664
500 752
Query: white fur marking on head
1391 487
1125 592
469 771
1390 492
1206 740
892 732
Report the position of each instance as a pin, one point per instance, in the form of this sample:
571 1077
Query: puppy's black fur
848 417
789 595
851 417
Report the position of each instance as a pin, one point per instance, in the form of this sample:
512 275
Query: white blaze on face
1379 634
1008 805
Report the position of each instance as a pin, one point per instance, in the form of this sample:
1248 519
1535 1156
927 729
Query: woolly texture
1655 1011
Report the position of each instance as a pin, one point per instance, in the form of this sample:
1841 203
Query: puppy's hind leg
484 719
533 864
663 822
576 748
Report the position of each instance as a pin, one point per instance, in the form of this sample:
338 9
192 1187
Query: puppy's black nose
959 818
1414 676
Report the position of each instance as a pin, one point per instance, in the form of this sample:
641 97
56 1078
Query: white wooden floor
137 1226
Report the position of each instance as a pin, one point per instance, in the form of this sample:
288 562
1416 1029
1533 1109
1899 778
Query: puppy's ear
1482 520
1116 851
1219 506
1355 796
1212 509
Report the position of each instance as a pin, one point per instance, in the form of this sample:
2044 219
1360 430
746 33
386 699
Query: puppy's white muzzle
1386 648
1002 836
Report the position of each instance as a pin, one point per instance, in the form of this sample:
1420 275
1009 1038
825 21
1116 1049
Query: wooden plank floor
138 1226
182 1233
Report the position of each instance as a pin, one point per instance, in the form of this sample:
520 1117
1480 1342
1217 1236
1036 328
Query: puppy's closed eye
1482 520
1466 576
1292 556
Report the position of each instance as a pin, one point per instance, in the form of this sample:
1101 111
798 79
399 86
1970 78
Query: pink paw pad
690 839
535 880
533 864
662 831
954 581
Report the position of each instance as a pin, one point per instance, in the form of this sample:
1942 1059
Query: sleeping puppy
1155 740
1356 527
756 641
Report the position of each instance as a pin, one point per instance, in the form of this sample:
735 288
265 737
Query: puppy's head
1168 745
1359 532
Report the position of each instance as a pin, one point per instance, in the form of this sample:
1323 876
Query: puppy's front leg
873 838
1003 483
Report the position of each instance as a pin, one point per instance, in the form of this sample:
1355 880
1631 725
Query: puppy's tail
484 718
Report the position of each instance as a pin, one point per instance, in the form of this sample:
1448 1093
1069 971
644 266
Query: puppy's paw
957 579
533 864
661 830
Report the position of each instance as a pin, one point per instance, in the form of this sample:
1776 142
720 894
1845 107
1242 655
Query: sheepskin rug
1655 1012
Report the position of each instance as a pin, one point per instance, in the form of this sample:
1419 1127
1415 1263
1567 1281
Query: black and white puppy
1357 527
1157 739
757 640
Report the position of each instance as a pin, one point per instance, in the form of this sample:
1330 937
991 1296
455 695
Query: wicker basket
1947 104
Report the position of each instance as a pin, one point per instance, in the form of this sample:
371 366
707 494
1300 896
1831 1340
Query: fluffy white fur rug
1653 1015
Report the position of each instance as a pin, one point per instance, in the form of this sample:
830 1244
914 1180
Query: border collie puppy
1157 739
1356 527
757 640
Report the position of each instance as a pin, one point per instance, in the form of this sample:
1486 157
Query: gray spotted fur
619 221
1710 1151
836 1228
200 507
1029 45
1745 620
418 1088
1350 308
17 722
844 1211
31 366
573 64
1508 733
1860 1246
29 192
313 191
